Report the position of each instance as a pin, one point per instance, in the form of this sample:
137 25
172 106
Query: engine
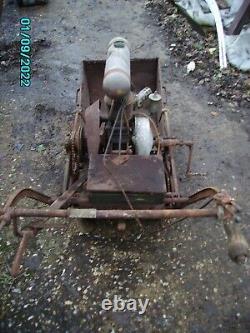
126 107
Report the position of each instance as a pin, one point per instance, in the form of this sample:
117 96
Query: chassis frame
74 202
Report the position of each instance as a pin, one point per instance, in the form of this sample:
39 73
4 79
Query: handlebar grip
237 243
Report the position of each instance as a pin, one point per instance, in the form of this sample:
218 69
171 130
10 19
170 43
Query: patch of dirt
10 53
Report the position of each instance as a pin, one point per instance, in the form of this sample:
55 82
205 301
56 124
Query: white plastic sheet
237 47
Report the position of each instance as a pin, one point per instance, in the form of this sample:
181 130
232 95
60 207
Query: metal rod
190 155
29 212
110 214
155 214
113 128
84 202
120 133
174 142
175 200
15 269
165 131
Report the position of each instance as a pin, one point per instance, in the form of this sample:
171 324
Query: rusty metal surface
116 181
9 213
222 199
63 199
20 195
155 214
143 174
112 213
92 127
225 211
144 72
15 268
164 128
170 142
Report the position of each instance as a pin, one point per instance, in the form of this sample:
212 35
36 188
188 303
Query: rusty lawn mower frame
107 181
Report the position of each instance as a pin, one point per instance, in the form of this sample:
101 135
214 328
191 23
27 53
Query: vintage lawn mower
120 158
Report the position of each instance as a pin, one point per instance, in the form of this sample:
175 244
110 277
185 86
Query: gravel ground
184 271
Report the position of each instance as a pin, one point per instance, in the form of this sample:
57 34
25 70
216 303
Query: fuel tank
116 82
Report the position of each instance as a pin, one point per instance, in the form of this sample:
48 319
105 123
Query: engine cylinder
116 82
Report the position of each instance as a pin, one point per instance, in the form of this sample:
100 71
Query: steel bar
165 131
174 142
63 199
92 119
27 193
155 214
36 212
110 214
175 200
15 268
